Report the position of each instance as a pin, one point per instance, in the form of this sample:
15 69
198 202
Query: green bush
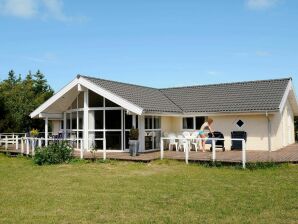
53 154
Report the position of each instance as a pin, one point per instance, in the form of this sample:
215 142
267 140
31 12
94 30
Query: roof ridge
226 83
125 83
163 93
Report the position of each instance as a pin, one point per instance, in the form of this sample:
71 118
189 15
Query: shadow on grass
238 166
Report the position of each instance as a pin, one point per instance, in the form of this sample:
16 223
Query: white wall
56 126
256 127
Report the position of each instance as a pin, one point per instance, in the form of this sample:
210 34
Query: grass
157 192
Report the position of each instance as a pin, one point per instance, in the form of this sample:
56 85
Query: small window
156 122
199 122
148 122
188 123
240 123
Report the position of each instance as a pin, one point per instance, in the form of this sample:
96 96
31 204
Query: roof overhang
212 114
289 96
47 109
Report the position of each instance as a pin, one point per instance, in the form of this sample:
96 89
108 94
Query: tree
19 98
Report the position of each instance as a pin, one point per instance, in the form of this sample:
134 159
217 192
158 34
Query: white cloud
44 58
45 9
19 8
260 4
212 72
263 53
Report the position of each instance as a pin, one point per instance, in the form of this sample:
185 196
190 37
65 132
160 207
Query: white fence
213 140
26 144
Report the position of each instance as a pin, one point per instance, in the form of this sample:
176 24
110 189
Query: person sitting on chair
205 129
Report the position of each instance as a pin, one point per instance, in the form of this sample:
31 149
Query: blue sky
158 43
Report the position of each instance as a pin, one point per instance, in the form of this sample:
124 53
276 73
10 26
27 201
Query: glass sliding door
152 132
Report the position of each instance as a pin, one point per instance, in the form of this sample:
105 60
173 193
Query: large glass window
68 121
113 119
113 140
98 119
152 132
74 120
74 104
111 127
96 139
81 119
188 123
128 121
95 100
81 100
111 104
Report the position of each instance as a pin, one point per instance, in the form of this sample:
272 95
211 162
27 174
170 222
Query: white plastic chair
173 142
195 141
182 143
186 134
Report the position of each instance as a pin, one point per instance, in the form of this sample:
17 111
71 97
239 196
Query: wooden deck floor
287 154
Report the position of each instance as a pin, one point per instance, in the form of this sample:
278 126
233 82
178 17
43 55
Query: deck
288 154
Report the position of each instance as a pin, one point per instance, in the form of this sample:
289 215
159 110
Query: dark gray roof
254 96
150 99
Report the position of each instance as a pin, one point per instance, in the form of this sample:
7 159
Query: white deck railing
213 140
30 143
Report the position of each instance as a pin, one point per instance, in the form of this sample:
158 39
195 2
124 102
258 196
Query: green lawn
158 192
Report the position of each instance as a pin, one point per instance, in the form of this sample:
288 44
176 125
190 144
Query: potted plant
34 133
134 141
93 150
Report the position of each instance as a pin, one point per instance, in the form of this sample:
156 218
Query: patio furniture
218 143
237 145
173 142
182 143
195 142
187 135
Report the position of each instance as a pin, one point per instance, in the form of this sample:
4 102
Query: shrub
53 154
134 134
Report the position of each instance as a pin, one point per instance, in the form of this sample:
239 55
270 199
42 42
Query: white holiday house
101 112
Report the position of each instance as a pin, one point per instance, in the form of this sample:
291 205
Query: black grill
237 145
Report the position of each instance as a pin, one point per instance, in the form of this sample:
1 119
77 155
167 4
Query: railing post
213 151
33 147
243 154
104 150
185 145
13 138
22 145
39 142
81 151
17 142
27 146
6 142
161 149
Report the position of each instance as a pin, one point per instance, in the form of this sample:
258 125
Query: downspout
269 131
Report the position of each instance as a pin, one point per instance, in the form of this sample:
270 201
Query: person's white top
206 128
